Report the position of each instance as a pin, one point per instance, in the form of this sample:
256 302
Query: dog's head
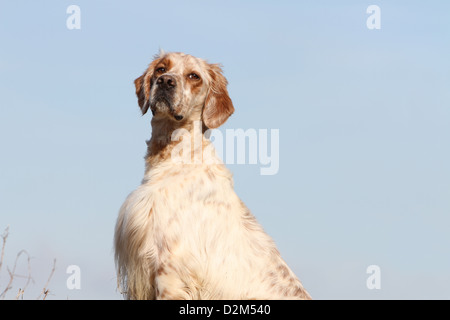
181 87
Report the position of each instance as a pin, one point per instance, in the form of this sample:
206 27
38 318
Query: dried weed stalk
13 275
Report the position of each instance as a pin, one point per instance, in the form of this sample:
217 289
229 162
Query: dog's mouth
161 104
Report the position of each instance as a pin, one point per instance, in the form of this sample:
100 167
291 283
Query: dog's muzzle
163 99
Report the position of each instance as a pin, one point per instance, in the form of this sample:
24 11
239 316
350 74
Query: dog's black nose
166 81
178 117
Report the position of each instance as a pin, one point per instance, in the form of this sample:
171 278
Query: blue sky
363 117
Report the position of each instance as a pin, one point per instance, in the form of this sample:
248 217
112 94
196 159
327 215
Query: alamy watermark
240 147
74 280
374 20
74 20
374 280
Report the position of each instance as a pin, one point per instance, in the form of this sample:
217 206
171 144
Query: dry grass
12 275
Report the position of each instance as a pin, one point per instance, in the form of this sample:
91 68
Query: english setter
184 233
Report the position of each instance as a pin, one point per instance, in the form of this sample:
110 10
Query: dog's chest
187 206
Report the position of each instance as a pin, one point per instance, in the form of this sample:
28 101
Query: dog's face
181 87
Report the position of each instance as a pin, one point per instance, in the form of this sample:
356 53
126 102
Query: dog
184 233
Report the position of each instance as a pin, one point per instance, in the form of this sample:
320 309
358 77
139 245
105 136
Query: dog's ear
143 85
143 99
218 105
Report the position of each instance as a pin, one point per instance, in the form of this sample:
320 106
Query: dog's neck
166 136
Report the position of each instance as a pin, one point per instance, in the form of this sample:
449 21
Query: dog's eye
161 70
193 76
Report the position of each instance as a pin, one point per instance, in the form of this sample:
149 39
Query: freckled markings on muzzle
166 85
164 96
